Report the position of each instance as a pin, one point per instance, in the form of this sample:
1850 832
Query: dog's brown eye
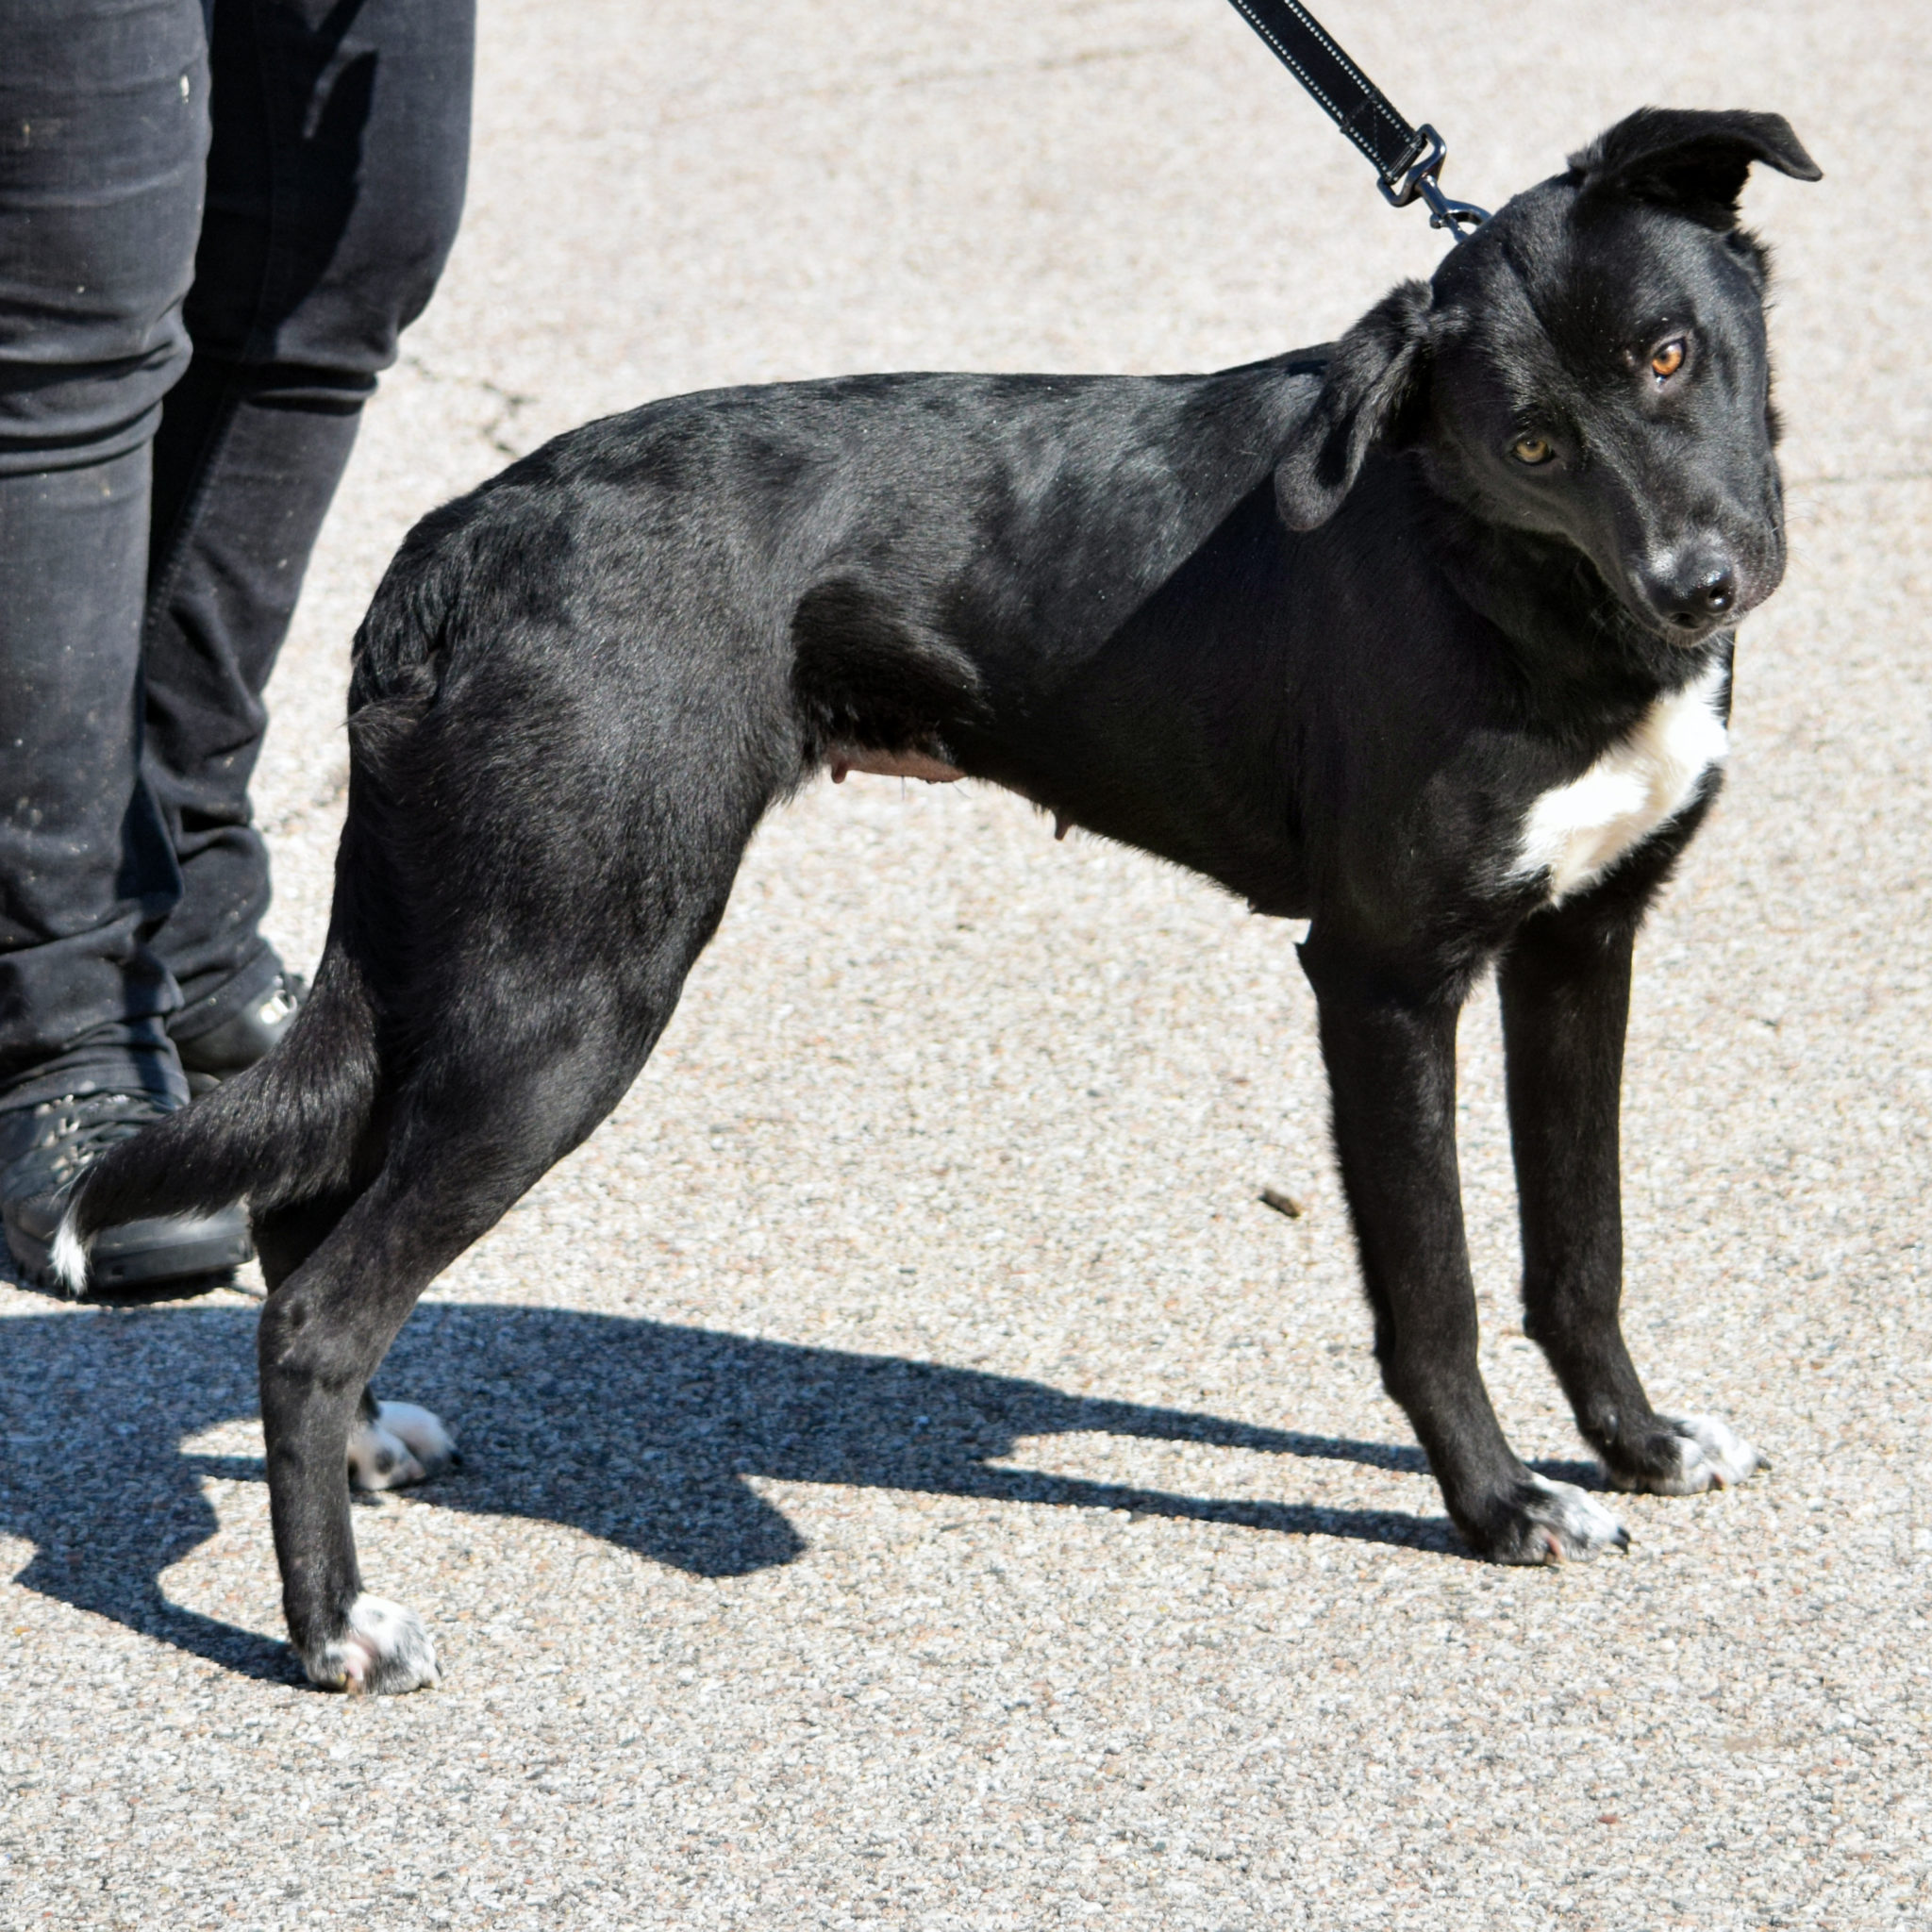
1667 360
1532 449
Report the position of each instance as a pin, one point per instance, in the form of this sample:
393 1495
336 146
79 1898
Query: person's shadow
635 1431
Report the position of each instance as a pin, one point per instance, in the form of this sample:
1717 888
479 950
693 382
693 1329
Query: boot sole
217 1251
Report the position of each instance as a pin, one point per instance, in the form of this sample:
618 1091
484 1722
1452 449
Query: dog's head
1591 366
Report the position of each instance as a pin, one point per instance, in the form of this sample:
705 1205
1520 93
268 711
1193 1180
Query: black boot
244 1038
46 1149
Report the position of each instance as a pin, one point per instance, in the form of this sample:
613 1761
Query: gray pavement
909 1477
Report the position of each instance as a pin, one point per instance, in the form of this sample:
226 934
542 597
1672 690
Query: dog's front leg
1391 1068
1565 986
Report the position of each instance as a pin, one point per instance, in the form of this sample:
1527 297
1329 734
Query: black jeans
213 227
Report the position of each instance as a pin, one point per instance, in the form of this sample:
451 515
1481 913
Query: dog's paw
384 1651
1554 1523
1689 1455
404 1444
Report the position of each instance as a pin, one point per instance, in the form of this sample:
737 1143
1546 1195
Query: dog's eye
1667 360
1532 449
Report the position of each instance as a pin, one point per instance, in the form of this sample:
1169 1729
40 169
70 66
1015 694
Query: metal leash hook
1363 112
1421 182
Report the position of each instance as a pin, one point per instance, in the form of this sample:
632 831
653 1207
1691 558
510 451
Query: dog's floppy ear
1688 158
1371 379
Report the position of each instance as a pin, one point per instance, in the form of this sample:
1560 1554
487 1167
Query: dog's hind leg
323 1331
506 1084
1565 986
392 1444
284 1236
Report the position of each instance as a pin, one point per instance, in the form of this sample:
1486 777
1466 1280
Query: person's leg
335 185
104 108
100 202
85 867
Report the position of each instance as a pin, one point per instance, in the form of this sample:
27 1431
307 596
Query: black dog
1425 637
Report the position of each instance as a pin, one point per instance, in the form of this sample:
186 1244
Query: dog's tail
287 1129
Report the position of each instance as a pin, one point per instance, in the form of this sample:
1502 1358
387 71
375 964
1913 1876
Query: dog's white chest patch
1575 832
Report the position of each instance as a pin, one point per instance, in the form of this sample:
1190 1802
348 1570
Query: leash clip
1420 182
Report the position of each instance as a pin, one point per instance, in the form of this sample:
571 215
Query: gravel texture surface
909 1477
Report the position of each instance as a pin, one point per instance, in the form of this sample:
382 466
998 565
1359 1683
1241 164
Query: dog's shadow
635 1431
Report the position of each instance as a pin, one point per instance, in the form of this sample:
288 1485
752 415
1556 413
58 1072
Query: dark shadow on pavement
635 1431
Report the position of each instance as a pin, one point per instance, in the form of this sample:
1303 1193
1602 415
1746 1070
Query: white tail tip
67 1257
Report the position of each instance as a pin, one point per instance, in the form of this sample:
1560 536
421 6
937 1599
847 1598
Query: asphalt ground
909 1477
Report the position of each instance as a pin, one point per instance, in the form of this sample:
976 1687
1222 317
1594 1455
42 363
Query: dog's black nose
1718 592
1698 596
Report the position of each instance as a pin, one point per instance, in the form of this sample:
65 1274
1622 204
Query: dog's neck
1569 636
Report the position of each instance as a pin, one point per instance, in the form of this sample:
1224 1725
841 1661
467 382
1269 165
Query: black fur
1307 626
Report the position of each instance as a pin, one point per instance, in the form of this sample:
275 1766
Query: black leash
1407 159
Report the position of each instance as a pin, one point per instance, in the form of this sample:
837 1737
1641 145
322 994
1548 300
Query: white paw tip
404 1444
427 1439
1574 1523
1713 1455
385 1650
